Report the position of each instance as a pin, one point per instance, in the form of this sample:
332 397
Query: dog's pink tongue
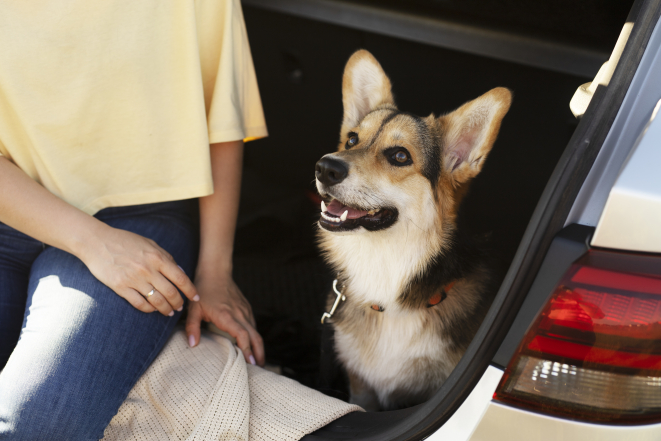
336 208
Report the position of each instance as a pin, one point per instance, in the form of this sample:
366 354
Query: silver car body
621 197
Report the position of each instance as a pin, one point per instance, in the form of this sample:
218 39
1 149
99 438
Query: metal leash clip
339 297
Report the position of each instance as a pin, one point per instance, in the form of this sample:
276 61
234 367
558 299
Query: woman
114 116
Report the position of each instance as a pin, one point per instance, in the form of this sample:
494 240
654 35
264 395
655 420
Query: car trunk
438 55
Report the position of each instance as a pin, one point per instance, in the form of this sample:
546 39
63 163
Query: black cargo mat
288 300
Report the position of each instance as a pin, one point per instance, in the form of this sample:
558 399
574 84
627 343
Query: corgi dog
411 289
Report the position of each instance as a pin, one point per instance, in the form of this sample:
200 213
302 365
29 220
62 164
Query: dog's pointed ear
470 131
365 87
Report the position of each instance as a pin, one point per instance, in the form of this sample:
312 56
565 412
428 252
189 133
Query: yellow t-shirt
115 102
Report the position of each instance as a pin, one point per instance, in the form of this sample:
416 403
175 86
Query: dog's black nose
330 171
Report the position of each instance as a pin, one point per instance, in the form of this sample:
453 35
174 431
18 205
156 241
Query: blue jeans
81 346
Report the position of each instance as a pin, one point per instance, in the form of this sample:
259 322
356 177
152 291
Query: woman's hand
133 266
223 304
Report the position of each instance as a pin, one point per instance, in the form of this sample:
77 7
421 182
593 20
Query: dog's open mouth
335 216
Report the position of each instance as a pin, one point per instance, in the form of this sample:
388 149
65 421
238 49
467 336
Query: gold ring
151 293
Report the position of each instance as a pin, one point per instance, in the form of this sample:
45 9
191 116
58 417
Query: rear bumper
501 422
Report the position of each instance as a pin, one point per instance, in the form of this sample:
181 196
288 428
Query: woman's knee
45 388
31 412
81 351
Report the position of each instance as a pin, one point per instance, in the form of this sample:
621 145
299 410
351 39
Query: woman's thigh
17 252
83 347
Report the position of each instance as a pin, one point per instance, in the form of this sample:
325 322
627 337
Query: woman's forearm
218 211
31 209
221 301
127 263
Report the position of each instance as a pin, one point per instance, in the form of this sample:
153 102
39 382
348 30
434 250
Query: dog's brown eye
352 141
398 156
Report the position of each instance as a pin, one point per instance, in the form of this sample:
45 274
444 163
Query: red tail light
594 352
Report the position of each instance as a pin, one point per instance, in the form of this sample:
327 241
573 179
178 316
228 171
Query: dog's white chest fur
399 355
378 265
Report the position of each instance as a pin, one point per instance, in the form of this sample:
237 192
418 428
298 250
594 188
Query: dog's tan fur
400 356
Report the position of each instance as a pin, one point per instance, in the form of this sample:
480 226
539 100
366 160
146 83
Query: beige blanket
210 393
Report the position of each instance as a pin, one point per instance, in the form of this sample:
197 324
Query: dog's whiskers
373 201
411 220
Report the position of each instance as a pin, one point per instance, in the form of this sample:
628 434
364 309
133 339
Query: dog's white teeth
344 216
323 206
329 218
371 212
